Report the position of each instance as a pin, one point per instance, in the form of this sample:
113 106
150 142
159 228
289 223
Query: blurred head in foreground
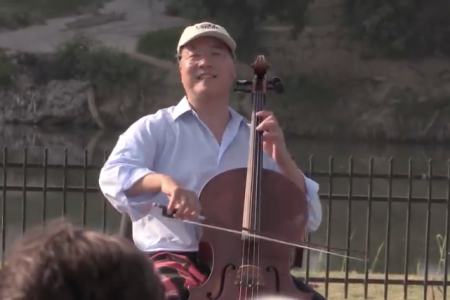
66 263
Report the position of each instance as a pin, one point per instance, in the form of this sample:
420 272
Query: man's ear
180 68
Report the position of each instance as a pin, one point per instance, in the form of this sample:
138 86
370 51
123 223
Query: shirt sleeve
312 197
131 159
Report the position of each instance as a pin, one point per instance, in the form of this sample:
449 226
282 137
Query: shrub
161 43
7 71
46 8
401 29
15 20
109 70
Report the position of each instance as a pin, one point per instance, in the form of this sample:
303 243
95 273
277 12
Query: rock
65 102
59 102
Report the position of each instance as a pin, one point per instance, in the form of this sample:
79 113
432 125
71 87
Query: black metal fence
391 216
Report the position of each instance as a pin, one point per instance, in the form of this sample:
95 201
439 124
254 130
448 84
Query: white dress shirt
175 142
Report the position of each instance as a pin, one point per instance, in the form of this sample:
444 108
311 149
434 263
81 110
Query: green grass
161 43
336 291
376 291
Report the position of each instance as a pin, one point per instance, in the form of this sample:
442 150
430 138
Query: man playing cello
167 158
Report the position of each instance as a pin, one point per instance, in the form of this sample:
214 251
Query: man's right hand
184 202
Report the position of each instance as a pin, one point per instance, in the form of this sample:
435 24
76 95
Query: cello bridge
249 276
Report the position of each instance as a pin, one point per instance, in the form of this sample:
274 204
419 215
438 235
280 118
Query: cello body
283 214
251 200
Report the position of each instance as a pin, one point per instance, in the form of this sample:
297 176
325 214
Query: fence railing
391 216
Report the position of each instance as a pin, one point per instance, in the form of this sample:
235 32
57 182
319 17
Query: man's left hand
273 138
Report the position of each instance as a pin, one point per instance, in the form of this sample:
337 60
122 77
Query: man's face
206 67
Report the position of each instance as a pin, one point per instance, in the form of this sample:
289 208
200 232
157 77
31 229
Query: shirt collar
181 108
184 107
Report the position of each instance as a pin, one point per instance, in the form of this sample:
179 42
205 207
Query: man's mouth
206 76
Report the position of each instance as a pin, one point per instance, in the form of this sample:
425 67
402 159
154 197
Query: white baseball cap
206 29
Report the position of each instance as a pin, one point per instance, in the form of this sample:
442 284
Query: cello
252 200
252 218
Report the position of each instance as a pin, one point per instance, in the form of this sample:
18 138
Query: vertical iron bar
388 231
368 229
349 223
84 204
44 187
64 204
427 233
408 227
330 206
447 235
308 257
24 189
308 252
5 182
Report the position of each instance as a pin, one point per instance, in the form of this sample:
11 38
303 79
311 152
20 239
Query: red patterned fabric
177 273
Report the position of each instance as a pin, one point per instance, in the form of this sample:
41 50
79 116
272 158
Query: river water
16 138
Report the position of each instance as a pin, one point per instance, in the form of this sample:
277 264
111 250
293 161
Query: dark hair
66 263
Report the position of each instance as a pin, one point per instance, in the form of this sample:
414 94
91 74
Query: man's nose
205 60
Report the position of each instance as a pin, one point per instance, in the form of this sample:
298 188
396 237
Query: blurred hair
67 263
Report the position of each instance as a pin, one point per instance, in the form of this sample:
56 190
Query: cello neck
255 155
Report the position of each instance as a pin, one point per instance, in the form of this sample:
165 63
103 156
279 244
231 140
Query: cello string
258 196
255 192
247 239
244 238
263 100
255 186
